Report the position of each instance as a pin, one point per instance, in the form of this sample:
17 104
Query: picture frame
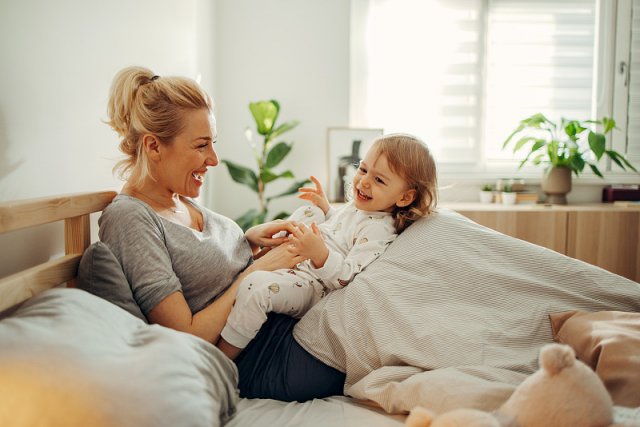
340 151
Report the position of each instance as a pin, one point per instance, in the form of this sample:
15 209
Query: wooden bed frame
74 210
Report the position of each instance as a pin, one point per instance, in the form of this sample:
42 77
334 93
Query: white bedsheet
332 412
343 412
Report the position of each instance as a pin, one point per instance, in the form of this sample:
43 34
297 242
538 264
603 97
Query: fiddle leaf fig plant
563 144
268 155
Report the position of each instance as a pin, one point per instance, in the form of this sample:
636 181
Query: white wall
58 60
294 51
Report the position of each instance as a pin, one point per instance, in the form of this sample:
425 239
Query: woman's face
183 163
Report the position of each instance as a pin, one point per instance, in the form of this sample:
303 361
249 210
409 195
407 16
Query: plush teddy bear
564 392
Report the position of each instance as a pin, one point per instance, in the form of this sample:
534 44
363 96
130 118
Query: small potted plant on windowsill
508 196
486 194
564 148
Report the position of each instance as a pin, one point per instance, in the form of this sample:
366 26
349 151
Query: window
462 73
626 99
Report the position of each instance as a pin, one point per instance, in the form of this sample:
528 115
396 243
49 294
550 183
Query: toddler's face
376 188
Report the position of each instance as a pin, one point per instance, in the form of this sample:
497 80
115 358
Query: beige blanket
453 314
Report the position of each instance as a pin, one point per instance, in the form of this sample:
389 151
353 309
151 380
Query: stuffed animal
564 392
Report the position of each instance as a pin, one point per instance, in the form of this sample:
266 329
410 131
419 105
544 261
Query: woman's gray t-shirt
160 257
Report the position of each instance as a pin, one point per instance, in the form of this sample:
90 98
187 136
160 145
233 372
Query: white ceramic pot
486 197
508 198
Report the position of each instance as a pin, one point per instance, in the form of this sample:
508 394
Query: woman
183 261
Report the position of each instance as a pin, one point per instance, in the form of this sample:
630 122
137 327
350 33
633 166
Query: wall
58 60
294 51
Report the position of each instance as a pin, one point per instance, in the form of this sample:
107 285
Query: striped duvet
453 314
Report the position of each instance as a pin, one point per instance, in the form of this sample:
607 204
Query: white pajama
354 238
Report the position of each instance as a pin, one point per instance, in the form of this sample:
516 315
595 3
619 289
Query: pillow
100 273
609 342
70 342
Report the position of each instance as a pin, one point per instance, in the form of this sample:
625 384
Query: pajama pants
291 292
275 366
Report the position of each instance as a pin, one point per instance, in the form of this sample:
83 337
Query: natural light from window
461 74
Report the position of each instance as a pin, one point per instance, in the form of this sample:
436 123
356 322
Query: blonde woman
183 261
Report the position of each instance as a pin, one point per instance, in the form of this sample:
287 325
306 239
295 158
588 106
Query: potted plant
564 148
267 155
486 194
508 195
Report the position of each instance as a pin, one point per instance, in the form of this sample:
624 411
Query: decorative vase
556 183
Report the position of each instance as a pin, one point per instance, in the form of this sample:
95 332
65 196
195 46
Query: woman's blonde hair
140 103
410 158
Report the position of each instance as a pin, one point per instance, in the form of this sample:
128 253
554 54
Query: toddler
395 185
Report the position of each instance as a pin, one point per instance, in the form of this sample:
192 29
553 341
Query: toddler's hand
309 244
315 195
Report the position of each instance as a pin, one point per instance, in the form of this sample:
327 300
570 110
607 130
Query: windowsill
448 176
457 184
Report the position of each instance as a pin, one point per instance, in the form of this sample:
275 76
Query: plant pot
508 198
486 197
556 183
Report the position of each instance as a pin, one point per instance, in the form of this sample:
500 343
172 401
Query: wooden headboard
74 209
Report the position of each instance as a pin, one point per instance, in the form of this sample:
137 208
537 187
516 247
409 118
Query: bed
64 347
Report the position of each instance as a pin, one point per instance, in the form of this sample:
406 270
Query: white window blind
540 59
462 73
420 64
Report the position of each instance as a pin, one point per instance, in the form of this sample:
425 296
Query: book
522 197
627 203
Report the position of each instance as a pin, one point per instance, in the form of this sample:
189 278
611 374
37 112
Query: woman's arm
174 312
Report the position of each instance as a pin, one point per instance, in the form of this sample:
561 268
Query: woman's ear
151 146
407 198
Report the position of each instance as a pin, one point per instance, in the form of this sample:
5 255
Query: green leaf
260 218
277 154
597 143
265 114
537 159
518 129
538 145
285 127
281 215
608 124
536 120
291 190
577 163
535 147
619 158
522 142
242 175
570 129
267 175
250 218
595 170
246 220
615 156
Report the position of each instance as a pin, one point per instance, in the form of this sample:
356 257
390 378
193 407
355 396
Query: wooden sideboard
602 234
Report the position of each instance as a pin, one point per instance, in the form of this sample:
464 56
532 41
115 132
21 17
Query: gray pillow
100 273
69 343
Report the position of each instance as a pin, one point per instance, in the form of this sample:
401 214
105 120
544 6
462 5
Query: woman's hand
276 258
260 236
315 195
308 243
